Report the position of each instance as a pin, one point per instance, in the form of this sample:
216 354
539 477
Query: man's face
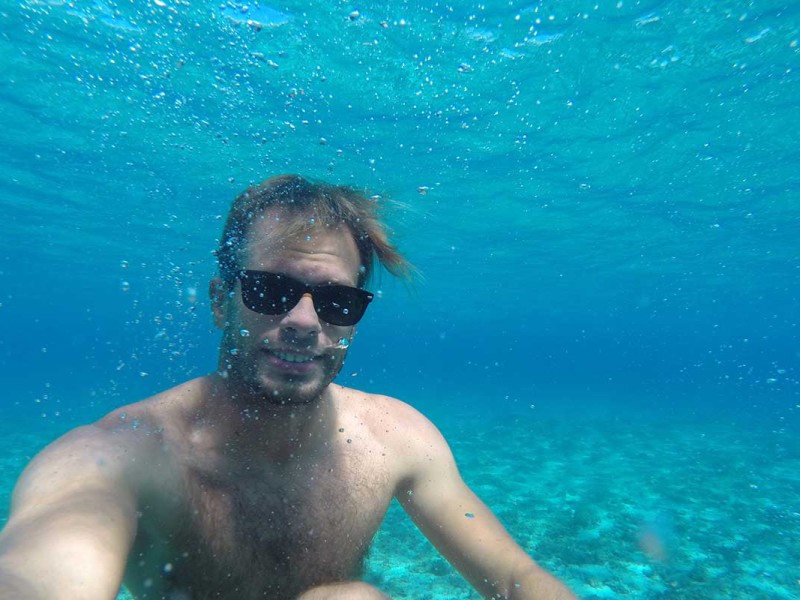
287 358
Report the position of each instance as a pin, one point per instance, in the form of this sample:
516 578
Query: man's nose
303 318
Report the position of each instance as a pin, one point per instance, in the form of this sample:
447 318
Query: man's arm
72 522
461 527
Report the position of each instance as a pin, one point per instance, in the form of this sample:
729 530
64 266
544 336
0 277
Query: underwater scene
601 201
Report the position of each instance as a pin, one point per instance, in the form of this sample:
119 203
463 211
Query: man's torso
215 527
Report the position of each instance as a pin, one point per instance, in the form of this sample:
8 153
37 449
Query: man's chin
298 394
289 400
269 390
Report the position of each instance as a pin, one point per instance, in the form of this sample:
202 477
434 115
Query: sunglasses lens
268 293
341 305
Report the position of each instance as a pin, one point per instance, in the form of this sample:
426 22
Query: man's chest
273 533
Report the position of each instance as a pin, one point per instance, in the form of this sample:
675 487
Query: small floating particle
760 35
647 19
423 190
257 17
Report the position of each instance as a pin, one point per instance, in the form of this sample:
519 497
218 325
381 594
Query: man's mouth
291 357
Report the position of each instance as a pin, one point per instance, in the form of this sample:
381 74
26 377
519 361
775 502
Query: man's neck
249 427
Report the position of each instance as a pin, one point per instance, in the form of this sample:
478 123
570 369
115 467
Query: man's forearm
534 583
345 590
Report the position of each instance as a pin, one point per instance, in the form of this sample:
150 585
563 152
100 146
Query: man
264 479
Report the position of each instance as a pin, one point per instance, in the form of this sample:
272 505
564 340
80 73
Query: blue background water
602 197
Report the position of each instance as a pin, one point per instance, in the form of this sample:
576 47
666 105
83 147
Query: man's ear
218 293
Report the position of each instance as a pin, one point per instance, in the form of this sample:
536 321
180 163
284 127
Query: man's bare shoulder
86 457
380 410
169 408
395 424
123 446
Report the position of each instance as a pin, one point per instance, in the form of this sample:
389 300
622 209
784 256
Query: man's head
304 204
291 258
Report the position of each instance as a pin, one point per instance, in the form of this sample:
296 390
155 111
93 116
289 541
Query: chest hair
272 533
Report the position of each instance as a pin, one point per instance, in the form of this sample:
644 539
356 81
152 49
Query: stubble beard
254 388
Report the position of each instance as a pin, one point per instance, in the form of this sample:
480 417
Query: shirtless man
264 479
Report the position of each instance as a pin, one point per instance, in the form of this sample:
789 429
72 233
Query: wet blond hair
306 204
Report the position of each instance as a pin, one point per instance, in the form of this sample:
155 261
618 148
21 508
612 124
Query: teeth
295 358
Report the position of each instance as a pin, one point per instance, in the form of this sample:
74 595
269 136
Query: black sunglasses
276 294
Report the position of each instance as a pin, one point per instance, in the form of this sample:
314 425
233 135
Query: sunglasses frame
354 296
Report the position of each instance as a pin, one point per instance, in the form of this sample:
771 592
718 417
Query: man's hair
310 204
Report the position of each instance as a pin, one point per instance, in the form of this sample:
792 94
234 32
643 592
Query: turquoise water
602 200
